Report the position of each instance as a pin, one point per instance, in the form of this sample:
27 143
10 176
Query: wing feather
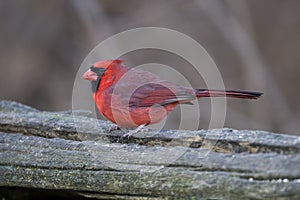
144 89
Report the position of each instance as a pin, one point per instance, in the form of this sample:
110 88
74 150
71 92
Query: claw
113 128
130 133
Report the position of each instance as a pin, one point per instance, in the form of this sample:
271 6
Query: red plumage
133 97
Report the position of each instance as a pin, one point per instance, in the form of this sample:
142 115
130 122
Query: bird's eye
93 69
98 71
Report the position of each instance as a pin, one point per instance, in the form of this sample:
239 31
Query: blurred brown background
255 45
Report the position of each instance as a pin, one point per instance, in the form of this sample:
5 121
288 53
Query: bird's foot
113 128
130 133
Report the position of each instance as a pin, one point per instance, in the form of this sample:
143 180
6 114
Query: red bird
136 98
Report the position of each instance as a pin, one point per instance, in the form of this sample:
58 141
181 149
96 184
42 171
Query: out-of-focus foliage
255 45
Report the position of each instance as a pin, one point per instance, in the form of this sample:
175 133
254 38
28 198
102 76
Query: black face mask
99 72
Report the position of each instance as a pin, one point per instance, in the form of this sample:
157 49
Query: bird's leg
130 133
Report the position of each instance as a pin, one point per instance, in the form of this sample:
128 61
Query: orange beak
90 75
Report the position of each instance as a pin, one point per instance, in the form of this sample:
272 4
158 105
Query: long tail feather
228 93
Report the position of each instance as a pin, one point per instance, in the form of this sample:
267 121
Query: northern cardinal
136 98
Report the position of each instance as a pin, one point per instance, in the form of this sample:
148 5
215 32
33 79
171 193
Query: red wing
160 93
143 89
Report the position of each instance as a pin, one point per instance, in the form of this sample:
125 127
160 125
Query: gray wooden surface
76 153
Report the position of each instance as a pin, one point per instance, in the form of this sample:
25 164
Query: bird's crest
106 63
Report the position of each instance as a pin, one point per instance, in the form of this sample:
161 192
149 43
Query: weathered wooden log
79 155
